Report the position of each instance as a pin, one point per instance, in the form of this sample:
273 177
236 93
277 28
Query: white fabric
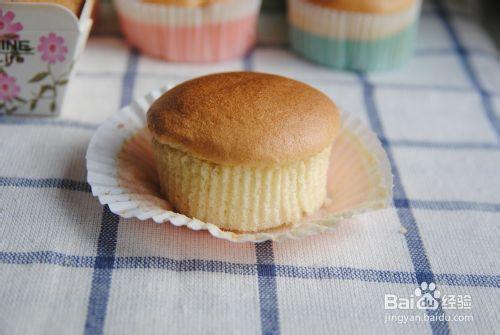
68 267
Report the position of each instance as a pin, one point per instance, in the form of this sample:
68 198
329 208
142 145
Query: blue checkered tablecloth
70 266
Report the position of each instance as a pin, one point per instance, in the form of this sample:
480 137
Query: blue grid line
383 276
442 145
185 265
129 78
400 86
448 205
468 280
462 52
423 87
106 246
248 61
436 205
101 278
211 266
346 273
29 121
266 270
413 238
65 184
430 87
46 257
268 291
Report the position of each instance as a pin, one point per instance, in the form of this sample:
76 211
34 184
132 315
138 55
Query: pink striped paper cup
210 33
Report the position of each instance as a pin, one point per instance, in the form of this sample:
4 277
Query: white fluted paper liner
178 16
122 175
338 24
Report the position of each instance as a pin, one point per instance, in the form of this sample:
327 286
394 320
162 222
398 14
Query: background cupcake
356 35
190 30
73 5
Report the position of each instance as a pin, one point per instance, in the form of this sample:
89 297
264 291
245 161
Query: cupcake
190 30
354 34
242 150
74 6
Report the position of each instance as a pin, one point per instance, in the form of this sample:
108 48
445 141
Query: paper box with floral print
39 44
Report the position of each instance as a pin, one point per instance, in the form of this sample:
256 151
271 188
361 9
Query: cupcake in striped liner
190 30
354 34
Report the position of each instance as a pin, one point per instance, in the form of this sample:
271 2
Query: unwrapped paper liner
121 173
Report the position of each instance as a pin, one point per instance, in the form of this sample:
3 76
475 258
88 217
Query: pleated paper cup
352 40
122 174
214 32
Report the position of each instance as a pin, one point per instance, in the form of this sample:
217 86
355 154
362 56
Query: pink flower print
7 27
52 48
8 88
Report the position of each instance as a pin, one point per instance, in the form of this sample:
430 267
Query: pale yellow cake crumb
238 197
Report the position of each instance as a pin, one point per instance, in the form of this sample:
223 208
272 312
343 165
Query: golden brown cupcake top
366 6
185 3
245 118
